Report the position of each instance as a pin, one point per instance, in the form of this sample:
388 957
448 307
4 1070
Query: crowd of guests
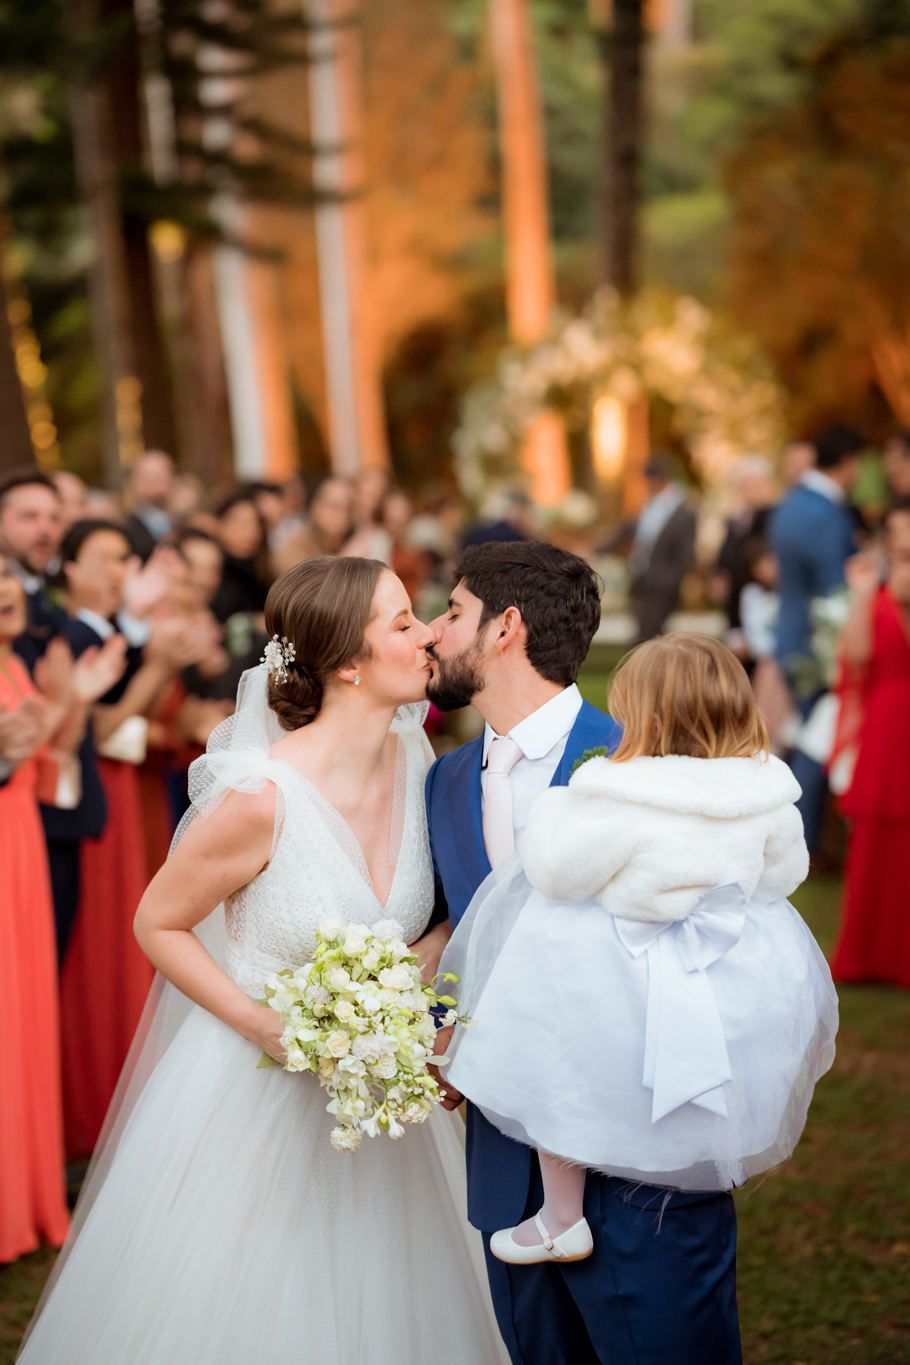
127 619
125 624
816 586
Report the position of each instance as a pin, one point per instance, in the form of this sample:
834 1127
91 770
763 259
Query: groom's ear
509 630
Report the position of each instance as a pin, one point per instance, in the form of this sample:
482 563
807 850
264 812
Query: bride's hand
429 950
267 1028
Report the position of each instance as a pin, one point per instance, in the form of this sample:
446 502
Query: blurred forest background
775 189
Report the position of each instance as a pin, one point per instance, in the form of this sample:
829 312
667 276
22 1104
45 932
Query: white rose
388 998
330 929
354 944
344 1011
296 1059
337 1044
339 979
395 978
351 1067
384 1068
326 1068
371 959
421 1004
398 948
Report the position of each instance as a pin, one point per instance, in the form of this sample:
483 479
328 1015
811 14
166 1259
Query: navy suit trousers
659 1288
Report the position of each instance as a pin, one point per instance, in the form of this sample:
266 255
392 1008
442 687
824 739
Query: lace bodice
317 869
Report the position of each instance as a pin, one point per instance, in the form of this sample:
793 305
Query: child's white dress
647 1002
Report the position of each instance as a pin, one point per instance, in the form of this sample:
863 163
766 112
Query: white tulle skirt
229 1232
584 1049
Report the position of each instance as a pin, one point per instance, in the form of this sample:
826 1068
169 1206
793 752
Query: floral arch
723 399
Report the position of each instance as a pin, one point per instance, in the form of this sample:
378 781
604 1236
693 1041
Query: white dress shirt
136 632
541 737
819 482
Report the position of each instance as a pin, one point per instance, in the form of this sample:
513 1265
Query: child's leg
563 1196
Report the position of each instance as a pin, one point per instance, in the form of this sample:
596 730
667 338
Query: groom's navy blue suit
660 1286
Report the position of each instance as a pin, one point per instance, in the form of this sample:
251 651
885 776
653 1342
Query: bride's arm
218 854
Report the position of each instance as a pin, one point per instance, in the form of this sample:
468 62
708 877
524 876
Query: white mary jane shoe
572 1245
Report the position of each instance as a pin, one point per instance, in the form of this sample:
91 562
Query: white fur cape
649 837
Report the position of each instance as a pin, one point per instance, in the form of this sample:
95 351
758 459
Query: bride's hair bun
323 606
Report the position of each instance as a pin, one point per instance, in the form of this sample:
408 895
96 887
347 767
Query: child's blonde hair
685 694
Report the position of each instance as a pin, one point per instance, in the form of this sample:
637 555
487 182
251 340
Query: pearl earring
356 679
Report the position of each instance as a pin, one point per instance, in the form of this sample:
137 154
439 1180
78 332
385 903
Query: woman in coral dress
32 1196
106 977
874 942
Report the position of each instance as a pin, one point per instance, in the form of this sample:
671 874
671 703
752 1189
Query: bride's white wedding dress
224 1229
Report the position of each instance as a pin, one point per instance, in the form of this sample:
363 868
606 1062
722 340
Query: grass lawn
824 1243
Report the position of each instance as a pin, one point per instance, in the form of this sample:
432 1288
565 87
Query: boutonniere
600 752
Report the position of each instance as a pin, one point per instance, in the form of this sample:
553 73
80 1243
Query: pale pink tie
498 829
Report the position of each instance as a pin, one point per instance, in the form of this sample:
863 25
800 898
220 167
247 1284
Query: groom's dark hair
557 593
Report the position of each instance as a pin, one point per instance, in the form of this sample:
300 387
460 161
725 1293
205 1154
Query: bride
218 1225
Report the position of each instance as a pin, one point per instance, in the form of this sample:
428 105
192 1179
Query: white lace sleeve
236 759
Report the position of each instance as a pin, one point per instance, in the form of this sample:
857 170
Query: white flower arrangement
359 1018
721 392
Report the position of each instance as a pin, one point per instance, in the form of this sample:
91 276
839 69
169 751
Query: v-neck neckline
401 757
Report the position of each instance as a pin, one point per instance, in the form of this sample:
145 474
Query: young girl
647 1003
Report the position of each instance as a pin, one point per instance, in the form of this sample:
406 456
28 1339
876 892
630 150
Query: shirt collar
31 582
97 623
538 732
819 482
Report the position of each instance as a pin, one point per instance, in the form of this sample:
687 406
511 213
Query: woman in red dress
106 976
874 942
32 1194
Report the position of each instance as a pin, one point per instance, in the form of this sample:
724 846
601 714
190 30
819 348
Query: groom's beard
457 680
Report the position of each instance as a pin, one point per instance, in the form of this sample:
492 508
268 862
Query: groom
659 1288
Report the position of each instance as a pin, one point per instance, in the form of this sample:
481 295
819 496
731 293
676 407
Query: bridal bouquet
359 1018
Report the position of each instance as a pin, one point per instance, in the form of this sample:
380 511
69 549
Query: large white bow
686 1057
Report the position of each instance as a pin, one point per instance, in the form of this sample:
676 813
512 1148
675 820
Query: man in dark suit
148 492
30 530
662 547
660 1285
813 534
752 483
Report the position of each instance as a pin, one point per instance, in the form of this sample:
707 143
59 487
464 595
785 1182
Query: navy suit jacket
88 819
812 538
499 1170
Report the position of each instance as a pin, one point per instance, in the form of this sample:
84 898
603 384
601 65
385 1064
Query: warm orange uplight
608 437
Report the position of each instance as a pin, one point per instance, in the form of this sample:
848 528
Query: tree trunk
137 403
621 52
530 278
357 430
123 82
16 446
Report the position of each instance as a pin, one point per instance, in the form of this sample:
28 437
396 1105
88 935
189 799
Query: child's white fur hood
649 837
